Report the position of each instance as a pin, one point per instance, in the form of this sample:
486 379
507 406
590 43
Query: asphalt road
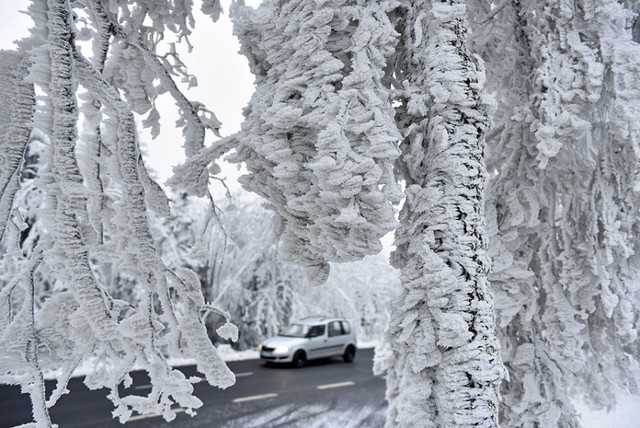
327 393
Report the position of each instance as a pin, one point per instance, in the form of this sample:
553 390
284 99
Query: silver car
311 338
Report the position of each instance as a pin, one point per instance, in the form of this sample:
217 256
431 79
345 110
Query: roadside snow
367 344
625 415
225 351
228 354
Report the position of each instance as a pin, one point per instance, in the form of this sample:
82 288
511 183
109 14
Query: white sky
13 24
225 84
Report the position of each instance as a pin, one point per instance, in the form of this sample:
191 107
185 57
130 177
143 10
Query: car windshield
296 330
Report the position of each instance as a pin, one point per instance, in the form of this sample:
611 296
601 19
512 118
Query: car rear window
346 327
335 328
338 328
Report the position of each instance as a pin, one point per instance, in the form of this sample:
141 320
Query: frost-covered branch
194 117
563 207
83 216
319 139
16 114
142 257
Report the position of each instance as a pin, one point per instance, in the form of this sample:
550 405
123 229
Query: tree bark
446 366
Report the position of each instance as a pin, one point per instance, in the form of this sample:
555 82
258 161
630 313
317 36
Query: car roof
318 319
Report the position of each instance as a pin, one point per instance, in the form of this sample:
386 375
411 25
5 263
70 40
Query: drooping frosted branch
563 206
82 244
16 114
142 259
136 73
319 138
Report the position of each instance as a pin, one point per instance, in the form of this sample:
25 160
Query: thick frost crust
564 202
16 115
445 368
319 138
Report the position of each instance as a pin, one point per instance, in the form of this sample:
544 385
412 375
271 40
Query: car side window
335 328
346 327
316 330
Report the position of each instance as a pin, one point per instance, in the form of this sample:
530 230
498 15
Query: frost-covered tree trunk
563 207
445 368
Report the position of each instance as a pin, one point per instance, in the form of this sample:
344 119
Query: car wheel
299 358
349 354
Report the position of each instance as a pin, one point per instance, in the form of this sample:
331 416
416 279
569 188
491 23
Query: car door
316 347
334 345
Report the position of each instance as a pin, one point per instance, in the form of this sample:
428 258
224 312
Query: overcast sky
225 84
13 24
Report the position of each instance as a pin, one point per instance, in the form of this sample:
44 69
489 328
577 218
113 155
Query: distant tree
254 284
193 238
361 291
264 293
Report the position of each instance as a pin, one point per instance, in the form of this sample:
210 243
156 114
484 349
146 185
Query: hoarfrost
74 210
319 138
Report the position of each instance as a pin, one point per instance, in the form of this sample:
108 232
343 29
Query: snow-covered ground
315 416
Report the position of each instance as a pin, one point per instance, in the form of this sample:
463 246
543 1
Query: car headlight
281 350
